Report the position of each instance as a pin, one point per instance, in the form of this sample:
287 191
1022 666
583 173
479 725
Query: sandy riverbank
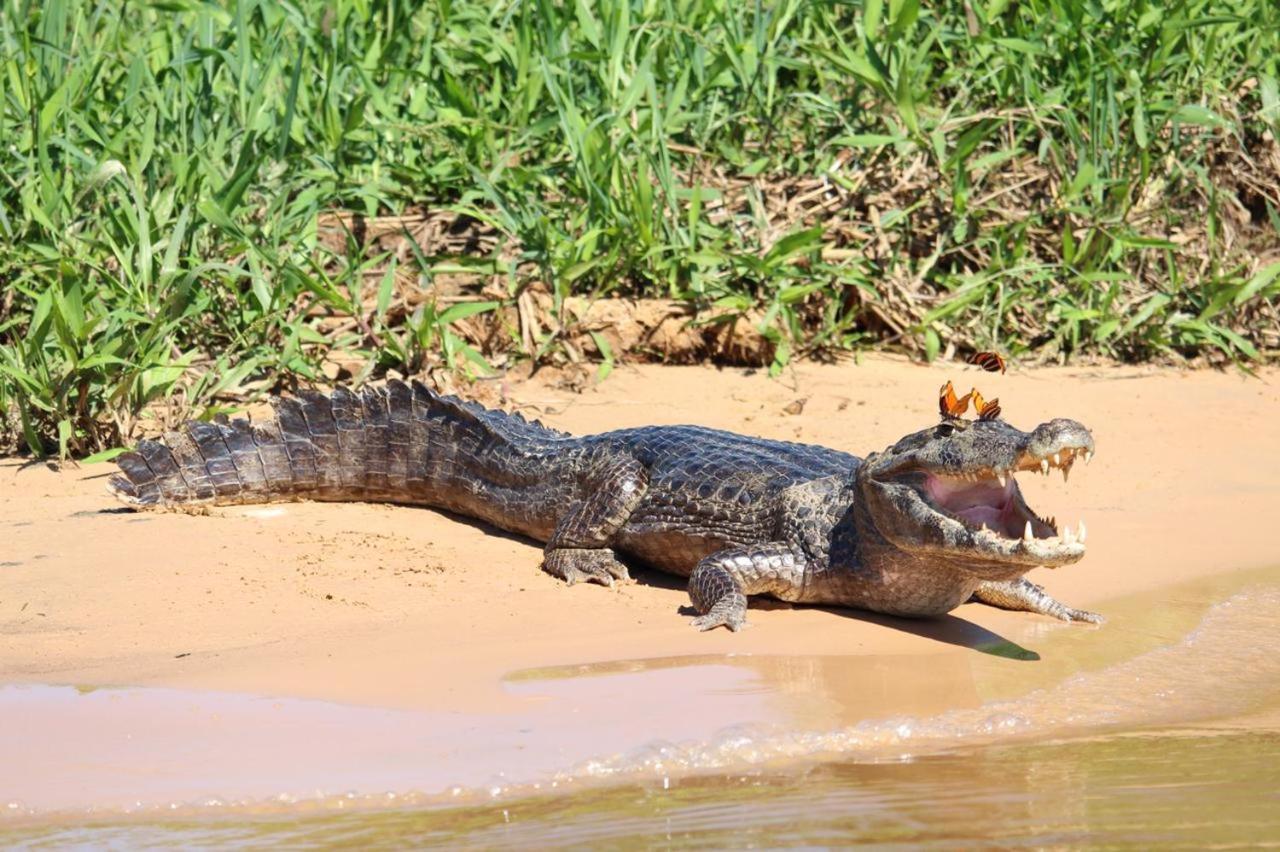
410 610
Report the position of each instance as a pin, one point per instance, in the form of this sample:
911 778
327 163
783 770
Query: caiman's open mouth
990 504
951 491
992 500
975 509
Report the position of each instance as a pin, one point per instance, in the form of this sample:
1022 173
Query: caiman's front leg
579 547
1025 596
721 582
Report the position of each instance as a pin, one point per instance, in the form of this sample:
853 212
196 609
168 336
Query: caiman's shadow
947 628
950 629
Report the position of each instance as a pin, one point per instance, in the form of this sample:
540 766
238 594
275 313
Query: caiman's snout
1056 444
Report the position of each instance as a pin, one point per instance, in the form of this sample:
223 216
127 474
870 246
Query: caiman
935 520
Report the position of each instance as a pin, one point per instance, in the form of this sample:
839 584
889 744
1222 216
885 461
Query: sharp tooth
1027 534
1068 536
1000 478
1066 471
1088 456
1057 459
1082 531
1044 466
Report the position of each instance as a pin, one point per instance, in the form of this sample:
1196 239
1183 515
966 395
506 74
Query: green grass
1049 177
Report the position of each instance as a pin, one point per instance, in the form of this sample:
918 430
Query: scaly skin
896 533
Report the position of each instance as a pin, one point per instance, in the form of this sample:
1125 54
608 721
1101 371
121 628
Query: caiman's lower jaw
998 522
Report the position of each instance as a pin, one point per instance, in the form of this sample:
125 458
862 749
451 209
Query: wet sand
423 621
575 728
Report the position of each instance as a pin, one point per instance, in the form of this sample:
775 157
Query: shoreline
410 610
791 727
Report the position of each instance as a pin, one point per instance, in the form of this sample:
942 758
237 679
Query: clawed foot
1045 605
1024 595
1066 613
730 611
597 565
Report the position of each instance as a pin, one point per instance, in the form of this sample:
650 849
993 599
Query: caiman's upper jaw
1061 459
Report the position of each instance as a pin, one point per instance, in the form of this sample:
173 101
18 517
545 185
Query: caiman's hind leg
579 548
1023 595
720 583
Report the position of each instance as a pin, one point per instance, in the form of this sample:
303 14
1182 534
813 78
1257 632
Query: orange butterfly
949 405
953 408
987 410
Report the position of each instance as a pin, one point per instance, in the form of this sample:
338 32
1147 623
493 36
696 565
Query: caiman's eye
948 427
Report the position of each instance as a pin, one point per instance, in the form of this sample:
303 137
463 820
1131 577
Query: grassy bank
199 201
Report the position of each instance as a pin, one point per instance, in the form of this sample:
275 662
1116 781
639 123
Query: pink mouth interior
984 502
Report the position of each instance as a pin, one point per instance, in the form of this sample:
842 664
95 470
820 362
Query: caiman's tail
399 443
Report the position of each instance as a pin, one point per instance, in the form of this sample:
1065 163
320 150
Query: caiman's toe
1025 596
1082 615
712 620
585 565
605 572
730 611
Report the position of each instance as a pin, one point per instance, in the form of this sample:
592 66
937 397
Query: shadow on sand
949 629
